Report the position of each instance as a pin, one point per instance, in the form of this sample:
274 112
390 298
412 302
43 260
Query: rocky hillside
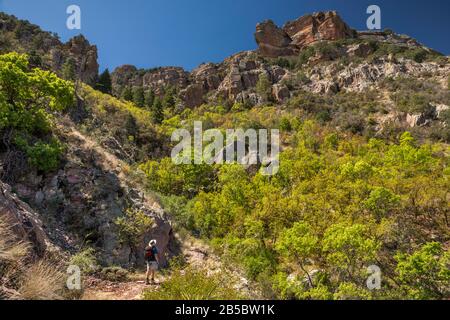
317 53
383 55
315 78
76 56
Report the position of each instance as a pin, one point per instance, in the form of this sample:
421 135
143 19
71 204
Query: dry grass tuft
42 281
21 279
10 250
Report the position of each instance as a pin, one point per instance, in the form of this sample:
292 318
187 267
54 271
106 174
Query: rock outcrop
273 41
157 79
296 35
235 79
24 222
85 56
26 37
432 112
321 26
360 77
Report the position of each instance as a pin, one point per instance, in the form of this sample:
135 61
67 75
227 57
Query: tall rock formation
304 31
85 56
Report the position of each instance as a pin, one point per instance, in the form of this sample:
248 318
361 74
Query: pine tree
104 83
69 69
264 87
127 94
35 60
138 97
149 98
157 111
169 98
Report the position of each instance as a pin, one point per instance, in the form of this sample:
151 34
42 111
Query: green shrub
115 274
425 273
418 55
285 125
45 156
132 226
85 260
195 284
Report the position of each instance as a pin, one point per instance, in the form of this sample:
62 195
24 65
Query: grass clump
85 260
195 284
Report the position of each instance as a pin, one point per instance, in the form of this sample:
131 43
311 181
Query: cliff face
296 35
156 79
47 51
235 79
232 78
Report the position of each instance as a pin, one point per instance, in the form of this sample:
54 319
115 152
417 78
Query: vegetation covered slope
339 204
359 184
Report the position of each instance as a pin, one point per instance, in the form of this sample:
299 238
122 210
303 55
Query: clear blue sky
185 33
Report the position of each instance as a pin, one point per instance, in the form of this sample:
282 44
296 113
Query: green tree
69 69
27 100
104 83
264 87
157 111
35 59
348 248
425 273
138 97
131 227
149 98
169 98
127 94
301 244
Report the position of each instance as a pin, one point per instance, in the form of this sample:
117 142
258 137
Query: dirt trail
108 161
97 289
194 251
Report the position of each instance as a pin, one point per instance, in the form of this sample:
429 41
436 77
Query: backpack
149 254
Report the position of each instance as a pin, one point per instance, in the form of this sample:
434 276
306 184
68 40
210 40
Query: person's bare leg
147 275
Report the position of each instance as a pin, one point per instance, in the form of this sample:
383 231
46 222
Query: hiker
152 260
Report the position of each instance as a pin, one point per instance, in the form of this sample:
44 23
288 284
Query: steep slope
85 197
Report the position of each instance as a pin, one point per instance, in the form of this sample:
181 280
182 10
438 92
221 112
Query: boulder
280 92
433 112
361 50
440 109
207 75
